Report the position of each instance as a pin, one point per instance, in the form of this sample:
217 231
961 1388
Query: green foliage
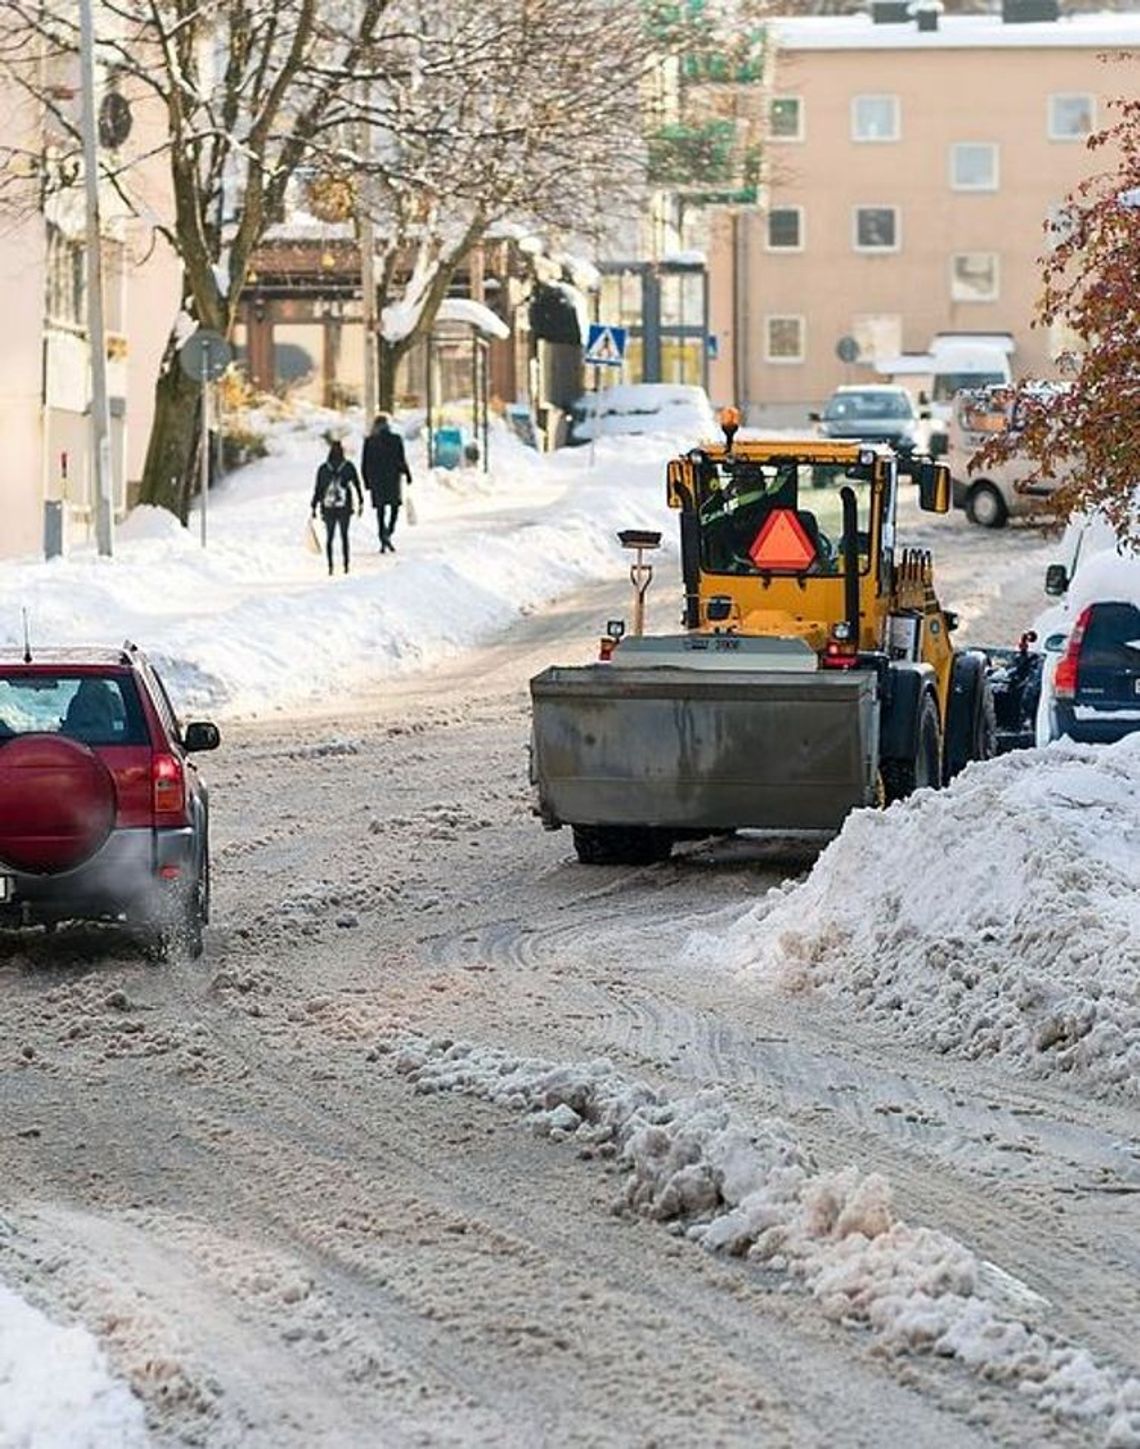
681 155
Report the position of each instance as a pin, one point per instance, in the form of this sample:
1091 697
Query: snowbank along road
451 1141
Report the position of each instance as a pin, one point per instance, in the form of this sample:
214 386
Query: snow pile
752 1191
253 623
1000 916
55 1389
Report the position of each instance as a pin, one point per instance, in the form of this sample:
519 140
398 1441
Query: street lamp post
96 327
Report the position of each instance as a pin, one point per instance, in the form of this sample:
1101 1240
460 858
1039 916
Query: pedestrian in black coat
337 480
385 466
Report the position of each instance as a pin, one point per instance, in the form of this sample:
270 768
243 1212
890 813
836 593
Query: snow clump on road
55 1389
751 1190
999 917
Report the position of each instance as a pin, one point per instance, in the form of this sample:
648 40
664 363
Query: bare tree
475 110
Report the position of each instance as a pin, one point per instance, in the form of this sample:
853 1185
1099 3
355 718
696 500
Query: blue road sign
605 345
712 346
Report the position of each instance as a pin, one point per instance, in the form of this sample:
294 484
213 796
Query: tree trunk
171 467
388 358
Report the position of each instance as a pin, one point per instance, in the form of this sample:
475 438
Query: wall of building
947 93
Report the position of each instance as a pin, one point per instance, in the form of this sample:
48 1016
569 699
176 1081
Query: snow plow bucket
701 751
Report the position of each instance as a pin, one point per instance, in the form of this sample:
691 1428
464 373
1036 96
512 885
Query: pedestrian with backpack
337 481
385 467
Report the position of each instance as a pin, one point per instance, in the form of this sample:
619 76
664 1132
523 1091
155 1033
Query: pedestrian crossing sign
605 345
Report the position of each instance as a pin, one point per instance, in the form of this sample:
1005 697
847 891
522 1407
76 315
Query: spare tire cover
57 803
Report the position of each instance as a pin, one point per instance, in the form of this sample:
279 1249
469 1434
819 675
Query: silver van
990 494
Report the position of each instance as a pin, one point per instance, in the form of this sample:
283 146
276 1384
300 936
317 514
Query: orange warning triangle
782 543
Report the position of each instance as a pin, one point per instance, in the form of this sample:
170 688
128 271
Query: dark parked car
103 815
874 414
1096 681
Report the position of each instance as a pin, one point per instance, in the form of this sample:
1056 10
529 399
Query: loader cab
796 534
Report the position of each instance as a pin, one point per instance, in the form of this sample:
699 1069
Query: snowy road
224 1172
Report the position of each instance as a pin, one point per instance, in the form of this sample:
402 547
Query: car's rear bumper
134 875
1088 726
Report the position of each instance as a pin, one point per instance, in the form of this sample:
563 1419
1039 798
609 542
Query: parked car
103 814
992 493
633 408
1090 685
878 413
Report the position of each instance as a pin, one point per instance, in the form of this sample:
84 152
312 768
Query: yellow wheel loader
815 672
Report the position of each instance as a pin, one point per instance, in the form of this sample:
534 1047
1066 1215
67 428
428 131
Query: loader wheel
903 777
621 844
971 723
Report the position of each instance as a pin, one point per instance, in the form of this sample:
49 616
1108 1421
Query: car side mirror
201 735
1056 580
933 481
815 418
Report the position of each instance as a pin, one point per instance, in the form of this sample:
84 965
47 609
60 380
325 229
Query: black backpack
335 494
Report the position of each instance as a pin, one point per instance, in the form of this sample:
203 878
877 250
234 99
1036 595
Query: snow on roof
859 32
688 258
581 272
475 314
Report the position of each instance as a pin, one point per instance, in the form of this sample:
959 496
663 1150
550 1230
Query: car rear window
1112 639
97 709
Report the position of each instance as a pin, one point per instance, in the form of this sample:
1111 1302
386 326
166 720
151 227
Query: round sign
115 120
847 349
204 355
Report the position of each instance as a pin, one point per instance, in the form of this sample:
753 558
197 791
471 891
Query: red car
103 815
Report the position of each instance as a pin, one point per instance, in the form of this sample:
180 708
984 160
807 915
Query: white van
954 363
989 493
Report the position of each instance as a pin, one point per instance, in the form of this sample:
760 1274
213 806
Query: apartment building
913 159
45 368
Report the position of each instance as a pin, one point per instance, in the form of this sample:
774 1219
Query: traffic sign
204 355
605 345
847 349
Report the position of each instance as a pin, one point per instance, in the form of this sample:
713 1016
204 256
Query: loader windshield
782 516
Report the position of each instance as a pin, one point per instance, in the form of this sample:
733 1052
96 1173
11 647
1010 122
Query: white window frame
768 243
973 297
800 321
896 119
799 134
896 211
1069 136
993 183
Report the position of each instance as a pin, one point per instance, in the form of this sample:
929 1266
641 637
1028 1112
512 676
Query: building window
784 339
1071 117
66 279
875 118
785 229
974 166
1060 224
974 277
876 229
786 119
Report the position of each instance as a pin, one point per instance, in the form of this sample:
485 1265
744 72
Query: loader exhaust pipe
850 560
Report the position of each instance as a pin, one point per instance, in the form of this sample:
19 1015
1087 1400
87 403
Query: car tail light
169 786
1066 676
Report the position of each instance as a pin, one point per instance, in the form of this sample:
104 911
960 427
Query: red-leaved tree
1088 431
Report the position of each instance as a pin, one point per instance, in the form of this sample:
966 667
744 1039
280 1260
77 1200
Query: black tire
181 932
924 771
621 844
986 507
971 720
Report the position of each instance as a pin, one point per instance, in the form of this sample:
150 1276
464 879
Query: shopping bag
409 508
313 536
